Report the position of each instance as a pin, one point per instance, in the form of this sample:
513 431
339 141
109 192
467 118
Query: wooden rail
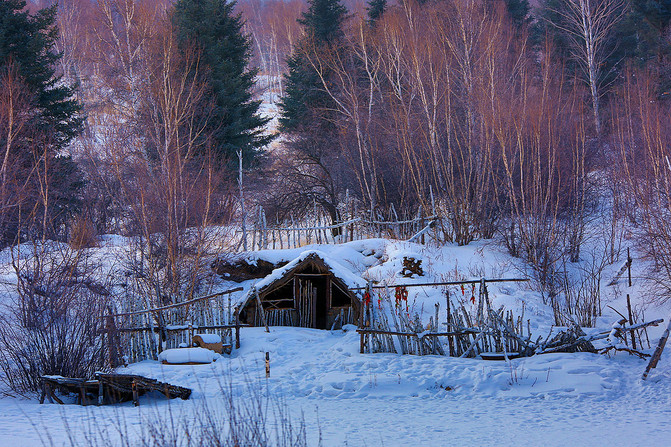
446 283
421 334
182 328
171 306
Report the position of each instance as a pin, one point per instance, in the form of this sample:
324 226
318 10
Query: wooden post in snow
361 334
267 365
629 260
136 402
658 352
450 341
112 345
236 312
631 323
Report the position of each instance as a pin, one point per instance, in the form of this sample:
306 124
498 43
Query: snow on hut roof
349 278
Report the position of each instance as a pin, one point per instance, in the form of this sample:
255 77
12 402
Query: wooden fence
142 334
467 334
293 234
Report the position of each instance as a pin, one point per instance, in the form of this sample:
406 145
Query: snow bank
209 338
187 355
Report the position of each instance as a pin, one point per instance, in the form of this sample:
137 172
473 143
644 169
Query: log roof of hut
316 258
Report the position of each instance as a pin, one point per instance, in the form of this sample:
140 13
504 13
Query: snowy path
384 399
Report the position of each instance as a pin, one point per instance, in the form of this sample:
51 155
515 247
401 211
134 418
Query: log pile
108 388
575 340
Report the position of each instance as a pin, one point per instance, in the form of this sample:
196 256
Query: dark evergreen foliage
216 31
639 38
641 34
375 10
518 11
27 48
322 22
642 39
28 42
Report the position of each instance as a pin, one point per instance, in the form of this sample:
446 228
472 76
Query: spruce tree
641 35
216 31
375 10
27 44
518 10
304 97
307 113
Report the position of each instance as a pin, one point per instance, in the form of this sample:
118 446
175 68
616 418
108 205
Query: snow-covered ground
356 399
348 398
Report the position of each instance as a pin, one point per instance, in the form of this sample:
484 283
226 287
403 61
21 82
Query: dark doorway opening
320 303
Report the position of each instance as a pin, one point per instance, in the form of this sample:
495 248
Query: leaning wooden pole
658 351
450 341
242 202
260 310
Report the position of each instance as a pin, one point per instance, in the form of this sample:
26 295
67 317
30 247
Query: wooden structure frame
108 388
308 294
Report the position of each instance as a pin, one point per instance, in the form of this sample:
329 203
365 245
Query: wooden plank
412 334
237 327
179 329
631 323
658 351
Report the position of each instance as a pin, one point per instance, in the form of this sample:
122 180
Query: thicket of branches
508 122
498 120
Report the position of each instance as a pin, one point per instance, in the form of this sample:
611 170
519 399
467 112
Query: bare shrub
52 323
642 129
253 417
83 234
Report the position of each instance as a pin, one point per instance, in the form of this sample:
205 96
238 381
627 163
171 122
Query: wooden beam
260 309
185 303
658 351
329 294
448 283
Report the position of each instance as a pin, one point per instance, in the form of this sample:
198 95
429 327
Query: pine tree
306 113
375 10
518 11
304 96
641 35
323 21
36 154
27 41
215 30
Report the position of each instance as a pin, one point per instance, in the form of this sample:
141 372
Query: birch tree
588 25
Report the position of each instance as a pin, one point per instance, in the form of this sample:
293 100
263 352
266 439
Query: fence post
629 260
242 202
450 340
236 312
422 240
631 322
112 353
